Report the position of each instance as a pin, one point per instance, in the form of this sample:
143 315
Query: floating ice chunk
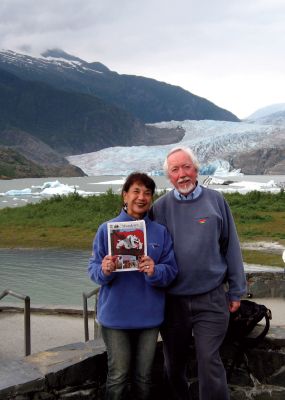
244 187
115 182
211 180
51 184
156 173
255 185
18 192
271 184
60 189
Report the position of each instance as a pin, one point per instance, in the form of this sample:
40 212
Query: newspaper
127 241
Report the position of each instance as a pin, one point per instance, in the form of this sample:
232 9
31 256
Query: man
208 254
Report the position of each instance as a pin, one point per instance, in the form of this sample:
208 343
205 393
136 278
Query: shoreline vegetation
70 222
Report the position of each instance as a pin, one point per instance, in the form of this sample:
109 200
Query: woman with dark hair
131 304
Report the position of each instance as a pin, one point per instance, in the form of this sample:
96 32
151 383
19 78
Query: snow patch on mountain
44 61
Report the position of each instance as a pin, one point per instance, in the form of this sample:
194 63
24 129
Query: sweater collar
126 217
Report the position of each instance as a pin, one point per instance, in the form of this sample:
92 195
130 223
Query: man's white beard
186 187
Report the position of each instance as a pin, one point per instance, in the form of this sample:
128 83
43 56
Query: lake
19 192
48 277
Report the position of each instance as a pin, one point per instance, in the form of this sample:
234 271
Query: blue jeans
130 357
207 316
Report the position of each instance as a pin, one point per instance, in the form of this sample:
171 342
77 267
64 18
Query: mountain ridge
129 92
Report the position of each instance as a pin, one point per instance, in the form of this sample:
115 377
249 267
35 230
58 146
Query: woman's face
138 199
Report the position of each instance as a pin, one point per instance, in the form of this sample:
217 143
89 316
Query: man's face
181 172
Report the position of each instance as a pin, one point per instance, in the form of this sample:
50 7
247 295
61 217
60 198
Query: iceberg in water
61 189
18 192
244 187
256 185
49 185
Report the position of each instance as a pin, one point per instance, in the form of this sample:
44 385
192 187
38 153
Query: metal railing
86 296
27 317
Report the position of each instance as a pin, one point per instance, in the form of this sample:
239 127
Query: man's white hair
186 150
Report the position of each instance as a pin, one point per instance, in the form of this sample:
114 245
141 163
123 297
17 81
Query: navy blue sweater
130 300
206 244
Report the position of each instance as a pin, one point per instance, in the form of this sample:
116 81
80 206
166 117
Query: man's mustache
184 180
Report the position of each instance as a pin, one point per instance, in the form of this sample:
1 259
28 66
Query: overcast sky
231 52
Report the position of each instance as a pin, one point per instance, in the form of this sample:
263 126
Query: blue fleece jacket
205 243
132 300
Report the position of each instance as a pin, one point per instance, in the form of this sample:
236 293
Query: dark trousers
207 316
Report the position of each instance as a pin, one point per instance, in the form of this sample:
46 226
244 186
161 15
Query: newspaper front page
127 241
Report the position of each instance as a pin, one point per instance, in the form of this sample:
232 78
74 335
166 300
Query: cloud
208 47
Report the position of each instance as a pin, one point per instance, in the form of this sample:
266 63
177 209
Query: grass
71 221
262 258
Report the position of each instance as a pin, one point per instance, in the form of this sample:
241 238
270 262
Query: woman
131 304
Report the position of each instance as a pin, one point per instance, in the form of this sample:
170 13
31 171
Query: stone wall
78 371
266 284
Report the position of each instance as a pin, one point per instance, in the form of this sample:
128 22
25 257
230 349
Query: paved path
48 331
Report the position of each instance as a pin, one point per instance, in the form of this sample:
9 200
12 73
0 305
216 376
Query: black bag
243 322
244 331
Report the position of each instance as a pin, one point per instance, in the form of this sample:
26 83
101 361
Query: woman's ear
125 203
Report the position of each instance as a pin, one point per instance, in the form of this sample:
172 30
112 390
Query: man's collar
191 196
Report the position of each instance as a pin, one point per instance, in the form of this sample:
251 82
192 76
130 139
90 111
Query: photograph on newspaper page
127 241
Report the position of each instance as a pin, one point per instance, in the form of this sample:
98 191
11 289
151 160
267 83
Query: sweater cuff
106 278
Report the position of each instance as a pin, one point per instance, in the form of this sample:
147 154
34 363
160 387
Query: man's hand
234 306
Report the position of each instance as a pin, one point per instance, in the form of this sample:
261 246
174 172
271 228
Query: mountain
15 165
70 123
263 161
146 99
58 105
26 156
276 118
267 111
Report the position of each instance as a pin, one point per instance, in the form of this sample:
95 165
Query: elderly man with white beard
208 255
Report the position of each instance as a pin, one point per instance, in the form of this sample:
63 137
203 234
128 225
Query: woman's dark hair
141 178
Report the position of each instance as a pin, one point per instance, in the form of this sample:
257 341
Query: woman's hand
146 265
108 265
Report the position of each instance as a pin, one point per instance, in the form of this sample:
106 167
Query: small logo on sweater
202 220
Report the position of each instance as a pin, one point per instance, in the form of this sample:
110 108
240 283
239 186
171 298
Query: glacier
213 141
